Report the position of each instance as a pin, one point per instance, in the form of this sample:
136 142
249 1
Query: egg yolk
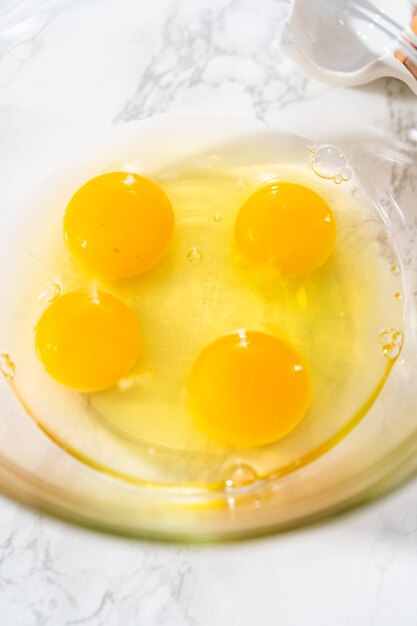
249 389
119 224
87 341
287 226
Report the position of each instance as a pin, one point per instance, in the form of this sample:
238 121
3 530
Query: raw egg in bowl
206 328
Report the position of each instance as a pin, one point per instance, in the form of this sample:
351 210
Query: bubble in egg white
194 255
49 291
329 162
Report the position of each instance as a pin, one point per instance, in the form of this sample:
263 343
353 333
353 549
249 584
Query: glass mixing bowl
67 75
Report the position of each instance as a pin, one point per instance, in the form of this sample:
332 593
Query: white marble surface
132 59
356 570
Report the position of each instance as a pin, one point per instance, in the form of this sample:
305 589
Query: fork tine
364 10
388 26
375 15
406 39
408 50
411 36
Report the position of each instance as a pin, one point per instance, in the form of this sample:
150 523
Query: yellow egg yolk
287 226
249 389
87 341
119 224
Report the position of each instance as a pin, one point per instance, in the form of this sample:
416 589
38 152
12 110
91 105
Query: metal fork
405 38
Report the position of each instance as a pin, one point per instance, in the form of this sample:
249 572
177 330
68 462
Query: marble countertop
355 570
214 56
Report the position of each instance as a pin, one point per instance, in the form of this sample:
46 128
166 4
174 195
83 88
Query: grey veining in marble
358 570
